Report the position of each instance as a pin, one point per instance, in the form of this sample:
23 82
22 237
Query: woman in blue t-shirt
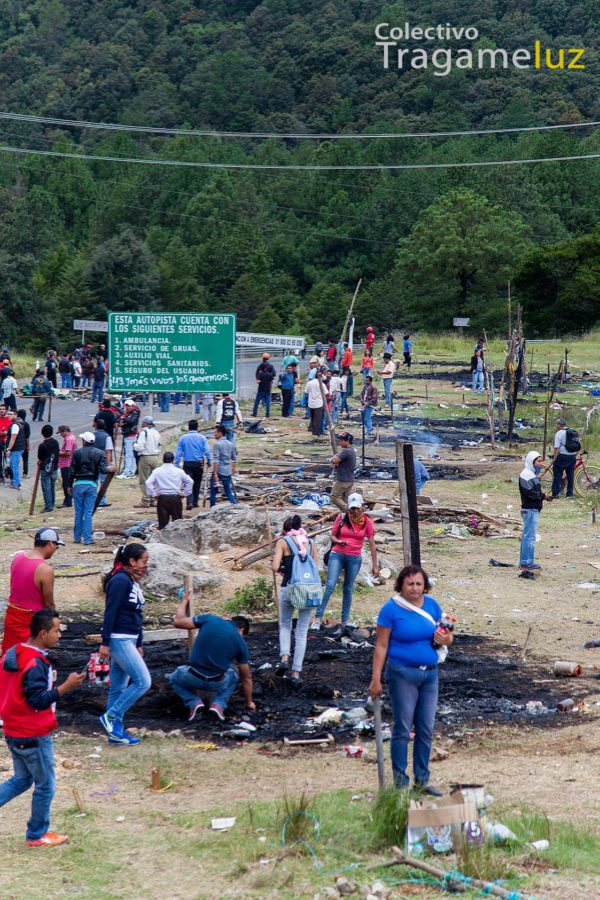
408 633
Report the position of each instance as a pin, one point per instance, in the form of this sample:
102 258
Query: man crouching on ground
27 701
219 643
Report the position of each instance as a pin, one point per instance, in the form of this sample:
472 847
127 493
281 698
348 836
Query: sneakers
50 839
282 668
120 736
107 723
198 705
216 710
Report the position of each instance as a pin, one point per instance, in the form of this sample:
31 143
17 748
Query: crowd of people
330 381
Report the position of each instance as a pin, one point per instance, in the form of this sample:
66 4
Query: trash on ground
222 824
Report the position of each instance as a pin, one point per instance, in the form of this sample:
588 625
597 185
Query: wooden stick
349 316
490 406
103 489
525 645
379 743
453 884
328 739
189 589
327 415
274 574
78 801
404 511
35 489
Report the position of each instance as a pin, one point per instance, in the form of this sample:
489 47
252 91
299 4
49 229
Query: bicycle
586 479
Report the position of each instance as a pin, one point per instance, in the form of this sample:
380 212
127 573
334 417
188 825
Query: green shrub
390 817
253 598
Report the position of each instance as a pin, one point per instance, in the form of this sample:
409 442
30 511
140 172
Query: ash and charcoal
482 681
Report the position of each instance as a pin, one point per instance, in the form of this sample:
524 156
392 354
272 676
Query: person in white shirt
315 406
169 484
148 446
334 387
9 391
387 373
228 414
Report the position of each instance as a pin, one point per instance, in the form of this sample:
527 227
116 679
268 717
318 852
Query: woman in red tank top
31 587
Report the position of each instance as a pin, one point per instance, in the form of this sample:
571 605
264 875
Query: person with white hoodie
532 500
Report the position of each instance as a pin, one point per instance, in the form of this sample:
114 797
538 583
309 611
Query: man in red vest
27 702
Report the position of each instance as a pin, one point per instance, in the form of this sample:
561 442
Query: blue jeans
530 519
563 463
286 615
387 388
262 397
227 487
85 381
367 417
129 677
478 381
34 765
334 409
189 686
48 480
413 695
37 412
350 566
65 380
97 391
84 497
15 466
292 403
343 402
229 427
128 443
164 401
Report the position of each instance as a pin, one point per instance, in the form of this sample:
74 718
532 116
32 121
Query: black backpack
572 442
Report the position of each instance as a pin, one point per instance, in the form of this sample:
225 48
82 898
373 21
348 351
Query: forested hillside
284 249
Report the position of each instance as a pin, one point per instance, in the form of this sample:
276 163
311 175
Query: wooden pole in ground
35 489
413 514
458 884
349 316
50 408
327 415
490 406
274 574
189 589
404 511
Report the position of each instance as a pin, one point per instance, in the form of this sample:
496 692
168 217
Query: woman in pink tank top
29 593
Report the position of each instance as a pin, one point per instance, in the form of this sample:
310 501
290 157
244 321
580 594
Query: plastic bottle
98 535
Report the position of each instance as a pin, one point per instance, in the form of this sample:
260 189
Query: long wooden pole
349 316
379 743
458 884
103 489
404 511
35 489
490 406
327 415
189 589
274 574
411 495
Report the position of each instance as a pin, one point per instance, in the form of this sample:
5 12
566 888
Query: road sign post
185 352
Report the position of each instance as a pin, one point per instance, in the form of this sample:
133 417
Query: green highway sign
171 352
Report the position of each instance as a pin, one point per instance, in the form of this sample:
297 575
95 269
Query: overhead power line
276 135
189 164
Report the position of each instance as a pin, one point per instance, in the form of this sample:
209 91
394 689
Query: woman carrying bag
410 635
348 535
122 640
296 557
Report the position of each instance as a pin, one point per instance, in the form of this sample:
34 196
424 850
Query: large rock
238 526
167 569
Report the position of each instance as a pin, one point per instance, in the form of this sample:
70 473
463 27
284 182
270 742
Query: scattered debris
223 824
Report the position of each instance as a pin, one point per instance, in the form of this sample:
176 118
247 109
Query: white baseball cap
129 402
355 501
88 436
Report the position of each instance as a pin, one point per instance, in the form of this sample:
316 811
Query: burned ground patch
483 681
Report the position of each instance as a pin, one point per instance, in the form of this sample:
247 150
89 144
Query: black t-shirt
109 419
48 452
